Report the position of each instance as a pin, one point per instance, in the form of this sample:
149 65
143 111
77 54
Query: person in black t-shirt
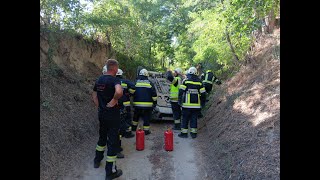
106 92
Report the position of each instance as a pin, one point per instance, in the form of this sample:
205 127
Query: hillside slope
243 121
68 119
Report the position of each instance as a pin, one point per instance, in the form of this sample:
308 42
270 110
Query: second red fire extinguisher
139 140
168 140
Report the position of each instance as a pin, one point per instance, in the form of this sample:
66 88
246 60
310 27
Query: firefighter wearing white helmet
192 97
104 69
144 100
119 73
143 72
176 79
192 70
124 102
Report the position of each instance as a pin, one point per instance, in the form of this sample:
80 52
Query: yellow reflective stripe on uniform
187 103
202 90
209 71
194 83
193 130
127 103
154 98
111 158
135 123
183 87
132 91
206 78
177 121
124 85
143 104
100 148
146 127
143 85
120 136
191 106
184 130
186 100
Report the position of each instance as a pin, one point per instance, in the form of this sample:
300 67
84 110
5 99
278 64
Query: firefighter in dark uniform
192 97
144 100
208 78
128 89
125 111
106 92
176 79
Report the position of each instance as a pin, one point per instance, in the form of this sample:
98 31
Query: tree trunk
271 21
109 45
150 56
231 47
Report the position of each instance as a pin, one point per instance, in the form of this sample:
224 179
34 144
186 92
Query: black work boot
193 135
96 163
120 155
114 175
177 126
146 132
183 135
128 135
97 159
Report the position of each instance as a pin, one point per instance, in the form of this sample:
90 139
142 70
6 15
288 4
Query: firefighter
208 78
144 100
122 124
106 92
175 78
125 111
128 88
192 96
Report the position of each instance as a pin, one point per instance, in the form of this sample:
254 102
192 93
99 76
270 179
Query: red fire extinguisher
140 139
168 140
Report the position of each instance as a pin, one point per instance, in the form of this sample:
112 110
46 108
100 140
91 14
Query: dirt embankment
242 126
68 119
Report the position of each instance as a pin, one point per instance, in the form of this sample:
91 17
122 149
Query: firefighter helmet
192 70
119 73
104 69
143 72
178 70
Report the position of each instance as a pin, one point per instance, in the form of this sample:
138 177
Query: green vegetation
161 33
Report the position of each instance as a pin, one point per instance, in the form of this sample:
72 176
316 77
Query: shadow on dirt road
153 163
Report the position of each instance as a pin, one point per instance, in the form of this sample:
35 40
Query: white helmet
104 69
192 70
143 72
119 73
178 70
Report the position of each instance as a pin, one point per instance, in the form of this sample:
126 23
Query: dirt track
153 163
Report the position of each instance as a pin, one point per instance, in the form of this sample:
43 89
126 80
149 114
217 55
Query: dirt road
153 163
